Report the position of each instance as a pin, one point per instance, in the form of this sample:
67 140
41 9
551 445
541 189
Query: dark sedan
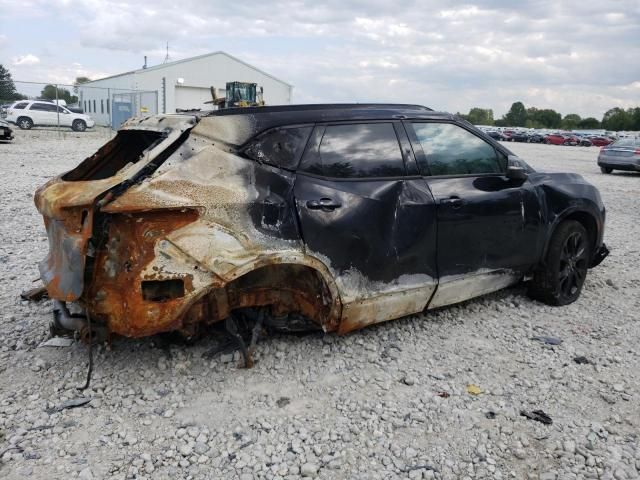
623 154
519 137
496 135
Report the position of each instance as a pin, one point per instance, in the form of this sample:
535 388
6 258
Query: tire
25 123
606 169
561 279
565 143
79 126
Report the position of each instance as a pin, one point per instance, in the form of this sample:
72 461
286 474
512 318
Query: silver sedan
623 154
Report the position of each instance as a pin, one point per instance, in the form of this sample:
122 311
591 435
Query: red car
557 139
600 141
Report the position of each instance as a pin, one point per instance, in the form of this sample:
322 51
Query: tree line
615 119
8 91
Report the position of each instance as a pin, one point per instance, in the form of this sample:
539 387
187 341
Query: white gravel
365 405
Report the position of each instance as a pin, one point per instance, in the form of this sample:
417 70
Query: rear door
488 224
368 218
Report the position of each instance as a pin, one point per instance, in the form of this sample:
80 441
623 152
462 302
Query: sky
574 56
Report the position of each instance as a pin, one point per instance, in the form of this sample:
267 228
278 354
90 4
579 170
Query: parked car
535 137
559 139
3 110
331 216
26 114
600 141
519 137
623 154
6 134
496 135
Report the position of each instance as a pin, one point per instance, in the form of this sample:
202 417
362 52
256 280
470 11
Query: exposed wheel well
284 288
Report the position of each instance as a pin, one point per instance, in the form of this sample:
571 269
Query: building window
85 105
94 107
108 102
102 106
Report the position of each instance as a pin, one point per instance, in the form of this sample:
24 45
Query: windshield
627 142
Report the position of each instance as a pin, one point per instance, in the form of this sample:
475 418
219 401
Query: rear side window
356 151
452 150
281 147
20 106
44 107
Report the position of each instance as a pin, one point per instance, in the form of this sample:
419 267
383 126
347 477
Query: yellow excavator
239 95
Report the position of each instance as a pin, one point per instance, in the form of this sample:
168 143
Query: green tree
79 81
49 92
7 87
570 121
617 119
480 116
517 115
589 123
634 113
544 118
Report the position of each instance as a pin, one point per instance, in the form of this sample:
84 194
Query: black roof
277 115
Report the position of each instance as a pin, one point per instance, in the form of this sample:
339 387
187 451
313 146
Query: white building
180 85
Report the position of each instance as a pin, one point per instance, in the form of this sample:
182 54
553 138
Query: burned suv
337 216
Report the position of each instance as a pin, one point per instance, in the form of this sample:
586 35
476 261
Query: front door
487 222
367 220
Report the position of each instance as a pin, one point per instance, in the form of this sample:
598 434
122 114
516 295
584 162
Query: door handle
453 202
326 204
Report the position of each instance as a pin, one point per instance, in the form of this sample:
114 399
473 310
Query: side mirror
515 172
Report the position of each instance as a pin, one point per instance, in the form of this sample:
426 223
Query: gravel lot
368 405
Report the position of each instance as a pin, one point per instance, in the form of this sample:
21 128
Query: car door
66 117
488 224
43 113
368 219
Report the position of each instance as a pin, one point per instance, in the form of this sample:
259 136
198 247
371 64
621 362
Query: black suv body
344 215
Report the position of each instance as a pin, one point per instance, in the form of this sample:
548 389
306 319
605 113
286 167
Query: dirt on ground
429 396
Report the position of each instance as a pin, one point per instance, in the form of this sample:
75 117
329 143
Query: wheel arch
584 217
302 285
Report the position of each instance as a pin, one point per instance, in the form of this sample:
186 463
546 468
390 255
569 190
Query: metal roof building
169 87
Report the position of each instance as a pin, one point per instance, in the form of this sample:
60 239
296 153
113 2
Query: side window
20 106
39 106
281 147
356 151
452 150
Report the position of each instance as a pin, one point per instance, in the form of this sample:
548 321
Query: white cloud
575 55
25 60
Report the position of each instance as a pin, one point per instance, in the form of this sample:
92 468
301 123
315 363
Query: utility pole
58 109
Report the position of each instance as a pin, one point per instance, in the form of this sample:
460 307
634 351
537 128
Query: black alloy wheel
561 279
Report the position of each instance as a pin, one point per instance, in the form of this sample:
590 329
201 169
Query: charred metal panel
69 208
380 243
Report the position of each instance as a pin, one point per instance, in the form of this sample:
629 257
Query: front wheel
561 279
79 126
606 169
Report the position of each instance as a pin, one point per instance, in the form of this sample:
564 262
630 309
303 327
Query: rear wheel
25 123
606 169
79 126
560 281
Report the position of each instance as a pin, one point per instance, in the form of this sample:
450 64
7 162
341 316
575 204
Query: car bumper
628 166
600 254
91 123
